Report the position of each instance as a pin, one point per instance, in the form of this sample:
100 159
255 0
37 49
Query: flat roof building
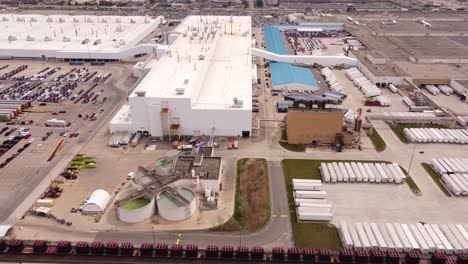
202 80
74 37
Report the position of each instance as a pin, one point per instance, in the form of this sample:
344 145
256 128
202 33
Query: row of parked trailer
454 174
435 90
361 172
436 135
365 85
330 78
428 238
309 198
120 139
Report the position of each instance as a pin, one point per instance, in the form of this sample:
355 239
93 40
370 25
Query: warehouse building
106 38
201 83
316 126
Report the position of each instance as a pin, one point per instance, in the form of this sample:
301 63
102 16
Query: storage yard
51 124
425 238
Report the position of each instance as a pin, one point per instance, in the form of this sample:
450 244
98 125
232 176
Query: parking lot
83 110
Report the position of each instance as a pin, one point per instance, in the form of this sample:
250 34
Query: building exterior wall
137 215
146 117
304 127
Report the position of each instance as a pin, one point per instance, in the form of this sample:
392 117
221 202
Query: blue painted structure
284 73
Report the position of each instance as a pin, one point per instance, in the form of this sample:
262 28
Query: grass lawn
398 130
317 235
135 204
291 147
436 178
252 199
377 141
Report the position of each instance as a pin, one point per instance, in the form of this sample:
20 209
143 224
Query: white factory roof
33 34
210 60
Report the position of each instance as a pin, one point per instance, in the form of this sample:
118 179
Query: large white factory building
75 37
202 79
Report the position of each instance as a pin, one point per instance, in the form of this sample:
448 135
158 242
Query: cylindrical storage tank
136 210
171 207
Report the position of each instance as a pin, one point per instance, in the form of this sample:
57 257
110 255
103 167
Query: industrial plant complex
228 131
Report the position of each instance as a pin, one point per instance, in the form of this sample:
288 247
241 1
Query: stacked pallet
361 172
428 238
309 198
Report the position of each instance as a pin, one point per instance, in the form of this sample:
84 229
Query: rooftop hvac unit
121 42
29 38
75 20
118 20
61 20
19 19
140 93
97 42
118 29
49 19
85 41
201 57
4 19
186 81
66 39
47 38
103 20
132 21
237 103
12 38
89 20
33 19
180 90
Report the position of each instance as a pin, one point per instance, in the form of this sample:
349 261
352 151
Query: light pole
412 155
152 231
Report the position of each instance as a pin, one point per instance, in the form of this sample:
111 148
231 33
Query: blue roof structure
284 73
